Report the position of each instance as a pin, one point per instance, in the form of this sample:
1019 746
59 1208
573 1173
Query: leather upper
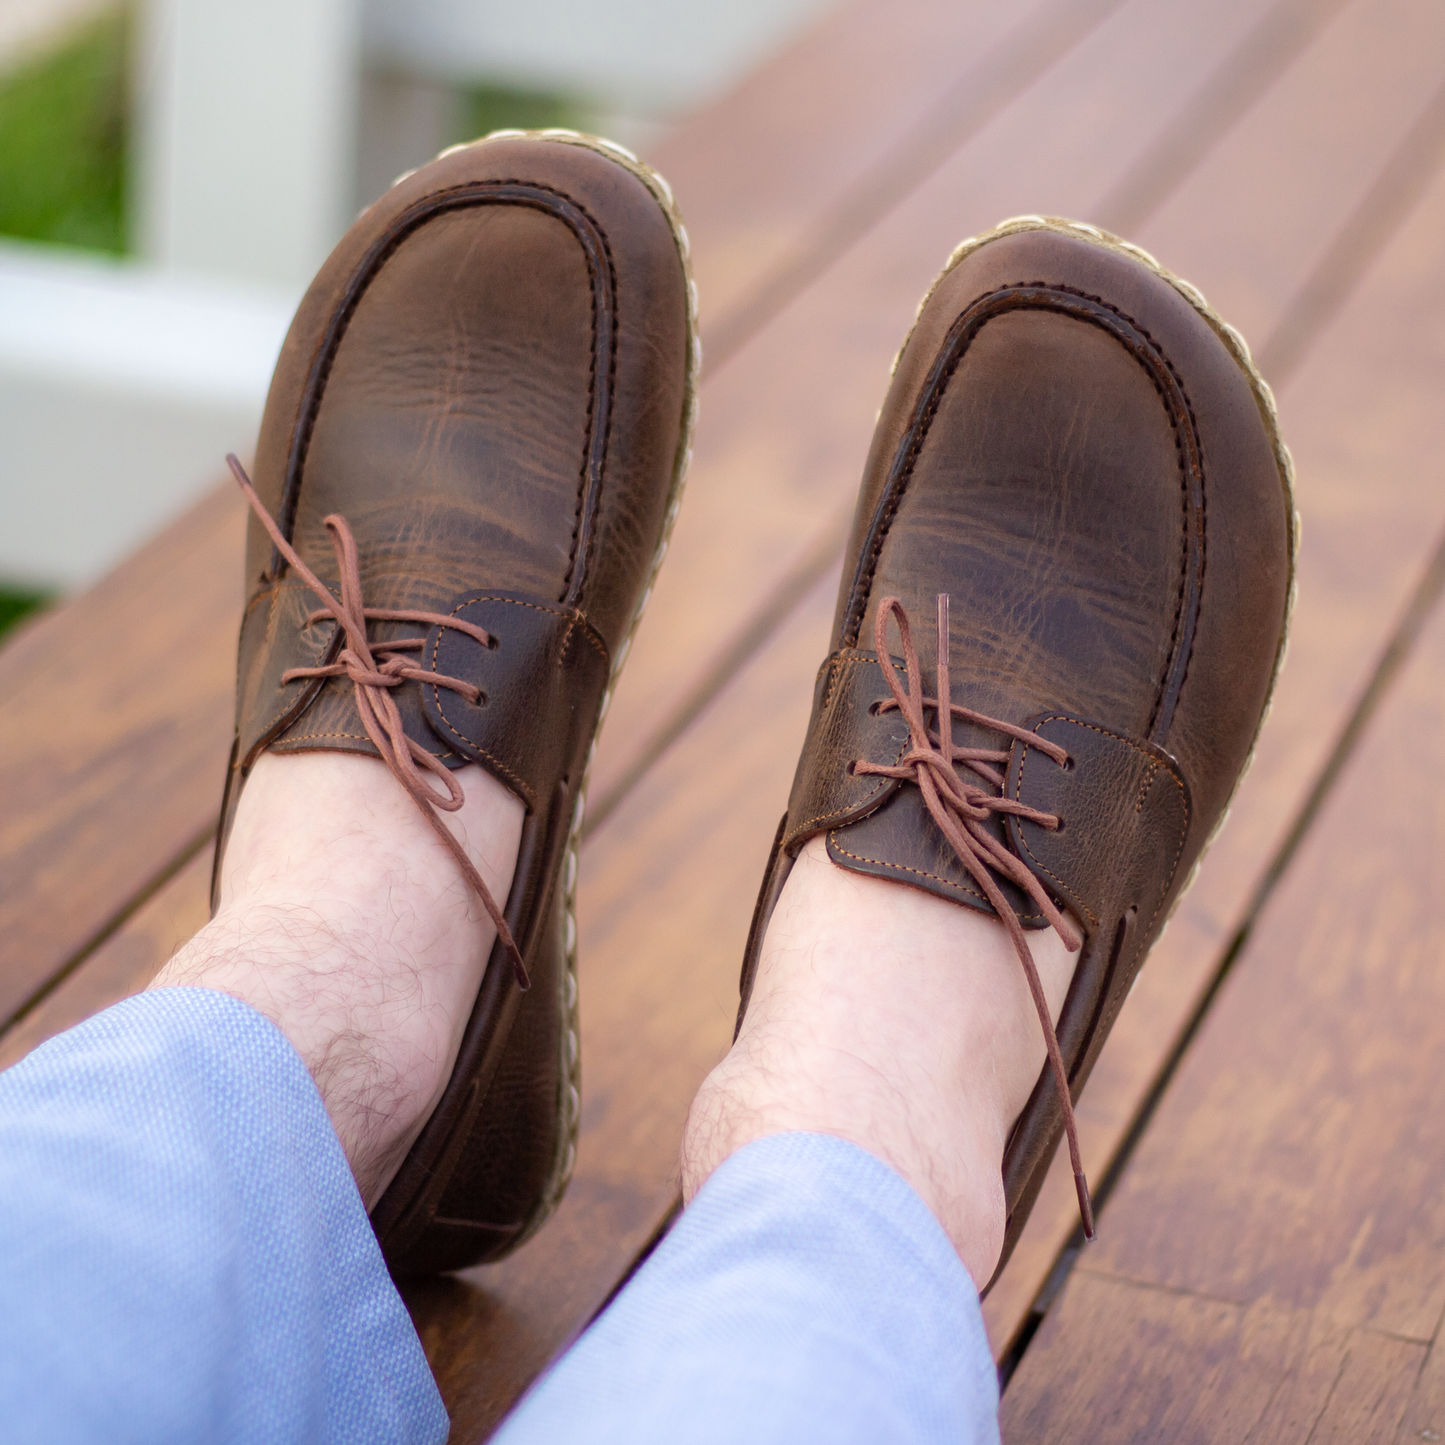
491 380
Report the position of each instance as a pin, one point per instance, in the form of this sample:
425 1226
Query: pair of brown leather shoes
1075 524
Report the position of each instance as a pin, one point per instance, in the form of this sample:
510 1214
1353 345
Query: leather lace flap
546 666
1124 807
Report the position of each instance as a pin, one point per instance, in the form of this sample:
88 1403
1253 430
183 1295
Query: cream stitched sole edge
1239 349
566 1157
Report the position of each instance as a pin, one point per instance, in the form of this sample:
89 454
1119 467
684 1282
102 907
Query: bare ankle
346 922
893 1019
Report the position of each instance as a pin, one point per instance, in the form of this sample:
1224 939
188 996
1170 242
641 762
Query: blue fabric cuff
807 1293
186 1253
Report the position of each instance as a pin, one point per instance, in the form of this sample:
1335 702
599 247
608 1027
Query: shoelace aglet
1086 1204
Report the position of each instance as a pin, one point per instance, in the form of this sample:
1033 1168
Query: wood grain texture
115 711
1188 1368
124 964
1297 1162
779 176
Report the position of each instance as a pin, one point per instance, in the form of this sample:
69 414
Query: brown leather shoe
492 382
1079 454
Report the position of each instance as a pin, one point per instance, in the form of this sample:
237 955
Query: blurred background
172 172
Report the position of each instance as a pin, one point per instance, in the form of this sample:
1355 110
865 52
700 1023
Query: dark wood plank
116 716
1188 1368
837 131
125 963
1298 1158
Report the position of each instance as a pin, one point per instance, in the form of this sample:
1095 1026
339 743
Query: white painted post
245 115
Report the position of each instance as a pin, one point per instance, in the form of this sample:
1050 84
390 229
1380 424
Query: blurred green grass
486 108
63 166
17 603
63 124
64 134
64 121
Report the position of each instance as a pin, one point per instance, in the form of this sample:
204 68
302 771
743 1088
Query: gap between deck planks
613 904
1371 517
1271 1267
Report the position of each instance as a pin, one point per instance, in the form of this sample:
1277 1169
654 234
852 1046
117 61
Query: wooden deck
1266 1128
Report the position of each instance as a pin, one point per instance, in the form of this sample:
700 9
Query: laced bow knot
373 683
962 808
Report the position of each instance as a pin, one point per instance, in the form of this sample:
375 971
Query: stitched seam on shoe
572 618
593 283
273 593
840 665
437 692
841 812
581 562
501 767
920 434
1184 483
492 757
313 737
573 561
1145 784
358 737
925 423
377 263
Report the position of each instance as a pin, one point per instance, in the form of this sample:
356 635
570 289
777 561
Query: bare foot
346 922
896 1020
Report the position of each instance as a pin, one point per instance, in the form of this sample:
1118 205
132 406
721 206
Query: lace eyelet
851 770
492 643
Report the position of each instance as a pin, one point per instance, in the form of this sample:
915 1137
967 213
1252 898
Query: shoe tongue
901 842
876 824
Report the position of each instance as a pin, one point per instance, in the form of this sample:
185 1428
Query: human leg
343 920
888 1017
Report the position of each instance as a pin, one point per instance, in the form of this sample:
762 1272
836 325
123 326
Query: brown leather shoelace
962 810
375 682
